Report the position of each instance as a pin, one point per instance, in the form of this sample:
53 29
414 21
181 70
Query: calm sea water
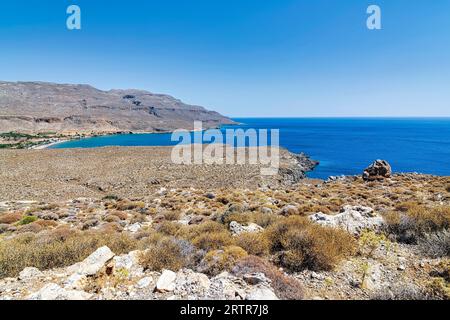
342 145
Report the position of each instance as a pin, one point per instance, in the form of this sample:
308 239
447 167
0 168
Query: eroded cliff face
65 108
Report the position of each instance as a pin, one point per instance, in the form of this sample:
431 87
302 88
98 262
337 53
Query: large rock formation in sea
70 109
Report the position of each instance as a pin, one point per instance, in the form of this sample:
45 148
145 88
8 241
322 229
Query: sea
343 146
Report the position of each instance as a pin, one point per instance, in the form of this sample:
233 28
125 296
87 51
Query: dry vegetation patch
299 244
54 249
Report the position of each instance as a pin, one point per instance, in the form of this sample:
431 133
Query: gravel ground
52 175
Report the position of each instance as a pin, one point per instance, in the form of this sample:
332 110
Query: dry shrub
447 188
435 245
9 218
213 240
192 231
168 253
438 288
300 244
46 223
255 244
111 218
129 205
216 261
172 215
262 219
138 218
120 214
51 250
149 239
32 227
285 287
412 225
314 208
168 228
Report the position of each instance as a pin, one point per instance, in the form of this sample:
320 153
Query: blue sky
242 57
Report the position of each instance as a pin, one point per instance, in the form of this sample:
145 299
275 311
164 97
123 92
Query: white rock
134 227
161 192
129 262
29 273
166 282
266 210
75 281
237 228
52 291
144 283
191 284
354 219
261 294
92 264
372 280
226 287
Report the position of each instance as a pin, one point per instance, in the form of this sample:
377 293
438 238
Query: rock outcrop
378 170
354 219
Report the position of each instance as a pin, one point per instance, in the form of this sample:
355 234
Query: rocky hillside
340 239
33 107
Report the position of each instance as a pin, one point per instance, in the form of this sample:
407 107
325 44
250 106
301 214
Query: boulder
94 263
52 291
289 210
128 262
226 287
166 282
191 285
134 227
29 273
75 281
237 228
354 219
378 170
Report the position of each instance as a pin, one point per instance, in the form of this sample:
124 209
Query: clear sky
242 57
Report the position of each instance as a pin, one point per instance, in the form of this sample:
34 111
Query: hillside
34 107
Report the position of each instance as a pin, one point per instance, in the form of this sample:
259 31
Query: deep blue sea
344 146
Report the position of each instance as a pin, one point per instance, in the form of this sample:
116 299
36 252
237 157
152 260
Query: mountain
32 107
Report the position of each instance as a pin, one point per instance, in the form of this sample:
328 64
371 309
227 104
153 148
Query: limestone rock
52 291
354 219
29 273
191 285
128 262
144 282
166 282
237 228
94 263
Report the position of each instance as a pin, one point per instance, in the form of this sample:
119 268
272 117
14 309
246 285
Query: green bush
27 220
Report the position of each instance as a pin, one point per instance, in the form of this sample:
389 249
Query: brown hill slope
66 108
